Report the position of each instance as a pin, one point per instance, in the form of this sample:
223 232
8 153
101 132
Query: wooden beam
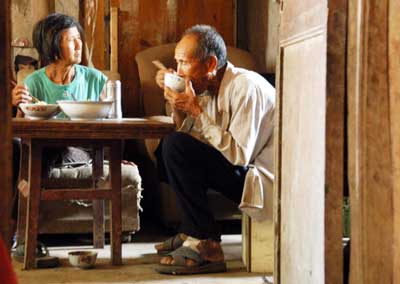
5 118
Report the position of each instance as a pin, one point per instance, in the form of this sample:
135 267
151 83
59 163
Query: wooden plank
114 39
98 205
220 15
271 52
262 246
354 75
394 93
32 217
6 131
303 170
301 148
68 194
106 129
115 204
373 141
246 238
335 132
92 20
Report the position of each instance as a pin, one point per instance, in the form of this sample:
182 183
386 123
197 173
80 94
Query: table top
126 128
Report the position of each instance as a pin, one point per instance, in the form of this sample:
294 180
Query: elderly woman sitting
58 40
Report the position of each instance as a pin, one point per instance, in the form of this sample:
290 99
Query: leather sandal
180 268
170 245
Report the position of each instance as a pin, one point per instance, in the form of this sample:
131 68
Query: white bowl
174 82
82 259
39 111
76 110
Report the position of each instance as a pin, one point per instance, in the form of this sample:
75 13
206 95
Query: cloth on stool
76 174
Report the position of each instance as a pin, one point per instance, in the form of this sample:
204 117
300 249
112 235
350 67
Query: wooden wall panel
92 20
394 93
335 133
144 24
374 157
5 129
218 13
310 146
303 164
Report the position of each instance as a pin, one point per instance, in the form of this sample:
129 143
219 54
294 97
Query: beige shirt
239 122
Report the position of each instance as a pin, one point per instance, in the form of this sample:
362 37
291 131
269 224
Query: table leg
22 200
35 173
98 205
115 206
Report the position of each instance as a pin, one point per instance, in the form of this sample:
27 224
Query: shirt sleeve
245 113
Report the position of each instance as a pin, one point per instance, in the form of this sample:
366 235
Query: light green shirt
86 86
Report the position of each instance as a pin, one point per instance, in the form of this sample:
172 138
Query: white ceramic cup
174 82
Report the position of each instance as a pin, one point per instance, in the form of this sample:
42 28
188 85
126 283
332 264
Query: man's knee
176 143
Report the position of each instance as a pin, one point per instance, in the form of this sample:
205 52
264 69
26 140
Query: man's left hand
185 101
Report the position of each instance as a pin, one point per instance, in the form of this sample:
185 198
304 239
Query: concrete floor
139 259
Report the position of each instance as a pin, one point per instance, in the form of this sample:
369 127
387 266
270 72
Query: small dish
39 111
82 259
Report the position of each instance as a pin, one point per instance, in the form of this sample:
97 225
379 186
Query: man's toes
190 262
167 260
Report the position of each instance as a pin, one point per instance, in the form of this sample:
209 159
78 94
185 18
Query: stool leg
98 205
35 173
115 206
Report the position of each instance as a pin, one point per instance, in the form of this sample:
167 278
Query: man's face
71 46
190 66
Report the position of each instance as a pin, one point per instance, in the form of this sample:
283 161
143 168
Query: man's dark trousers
191 167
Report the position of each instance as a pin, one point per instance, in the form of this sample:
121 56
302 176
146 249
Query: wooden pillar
374 140
5 118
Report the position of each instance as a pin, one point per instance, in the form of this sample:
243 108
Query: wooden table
97 134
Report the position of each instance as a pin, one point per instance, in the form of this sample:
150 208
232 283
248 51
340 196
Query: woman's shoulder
89 71
35 77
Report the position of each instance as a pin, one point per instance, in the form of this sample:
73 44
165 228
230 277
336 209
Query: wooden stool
31 171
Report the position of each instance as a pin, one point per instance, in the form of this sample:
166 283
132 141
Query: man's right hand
160 76
20 94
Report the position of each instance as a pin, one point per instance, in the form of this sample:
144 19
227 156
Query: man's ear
212 64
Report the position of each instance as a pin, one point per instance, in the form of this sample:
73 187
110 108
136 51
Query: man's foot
171 244
193 257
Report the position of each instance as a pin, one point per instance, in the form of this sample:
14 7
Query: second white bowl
77 110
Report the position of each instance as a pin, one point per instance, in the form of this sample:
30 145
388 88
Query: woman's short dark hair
210 42
47 35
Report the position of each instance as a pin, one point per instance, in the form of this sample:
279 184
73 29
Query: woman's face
71 46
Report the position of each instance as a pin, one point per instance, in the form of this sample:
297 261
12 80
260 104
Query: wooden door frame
5 118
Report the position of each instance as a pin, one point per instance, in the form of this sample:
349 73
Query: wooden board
309 179
335 140
373 129
5 117
303 160
394 92
92 20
